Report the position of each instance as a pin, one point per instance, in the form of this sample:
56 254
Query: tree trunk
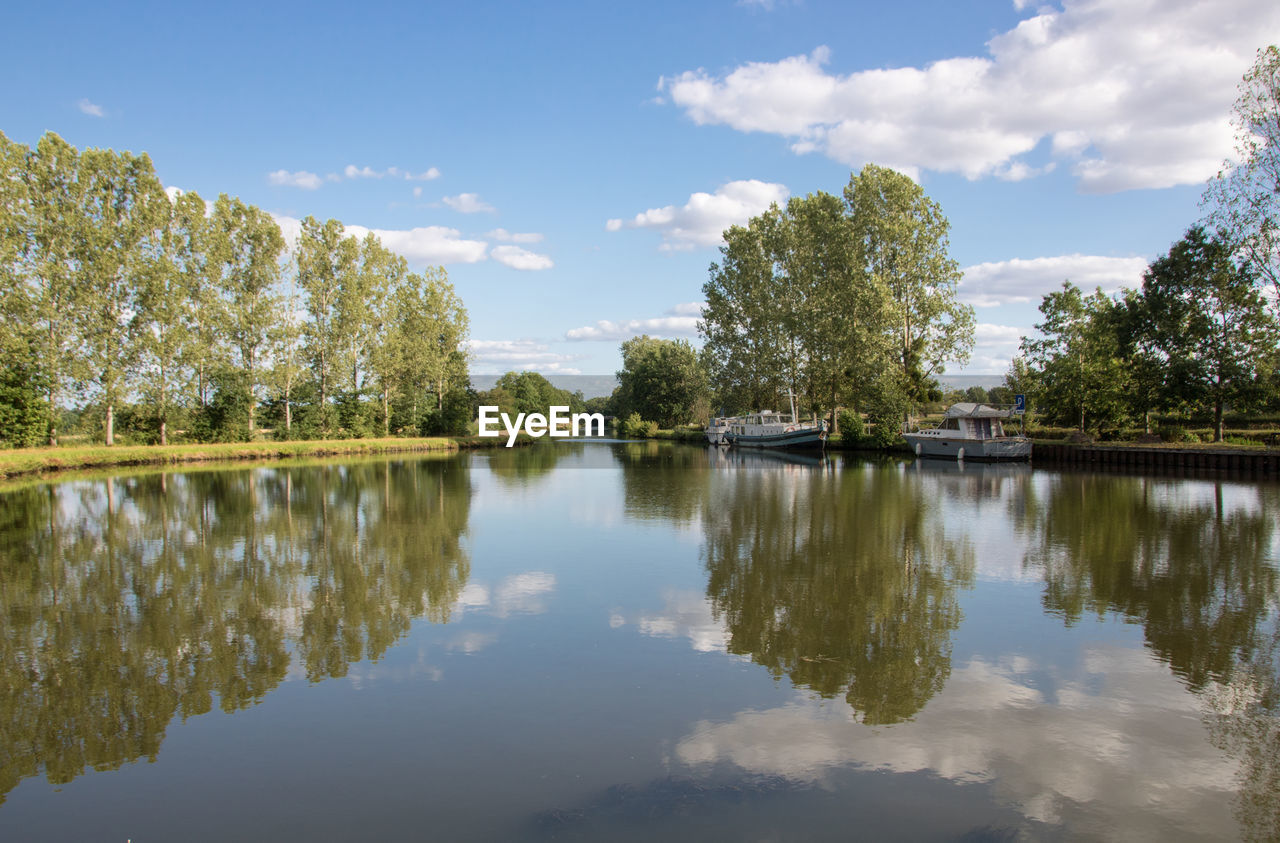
164 432
111 423
1217 420
386 414
288 412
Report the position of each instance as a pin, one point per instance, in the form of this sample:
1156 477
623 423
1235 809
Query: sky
572 165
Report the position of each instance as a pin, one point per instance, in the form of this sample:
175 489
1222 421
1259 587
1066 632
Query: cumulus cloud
499 356
1129 95
90 108
1027 281
468 203
1116 729
994 346
702 220
679 321
427 245
432 244
302 179
517 258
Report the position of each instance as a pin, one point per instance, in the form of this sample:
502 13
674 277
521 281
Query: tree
1209 320
903 236
53 210
245 255
1245 194
324 260
1076 362
662 380
167 297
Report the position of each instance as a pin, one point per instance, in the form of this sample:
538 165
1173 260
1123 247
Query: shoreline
30 462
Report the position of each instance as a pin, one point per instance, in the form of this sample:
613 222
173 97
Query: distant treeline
126 305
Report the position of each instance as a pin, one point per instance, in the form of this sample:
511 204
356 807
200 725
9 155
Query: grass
43 460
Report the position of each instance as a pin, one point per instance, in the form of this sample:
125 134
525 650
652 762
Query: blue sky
571 164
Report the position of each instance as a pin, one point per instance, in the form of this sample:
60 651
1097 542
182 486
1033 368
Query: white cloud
1118 743
353 172
1027 281
432 244
517 258
993 347
1131 95
702 220
508 236
499 356
468 203
680 321
90 108
428 245
302 179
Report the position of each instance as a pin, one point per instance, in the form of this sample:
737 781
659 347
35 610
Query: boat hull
1003 449
806 438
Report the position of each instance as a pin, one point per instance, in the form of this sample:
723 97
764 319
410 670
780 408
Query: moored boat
970 432
768 429
716 429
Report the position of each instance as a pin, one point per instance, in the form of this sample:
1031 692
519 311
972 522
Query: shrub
852 427
634 427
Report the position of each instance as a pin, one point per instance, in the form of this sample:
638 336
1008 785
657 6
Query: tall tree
903 236
123 203
325 258
245 251
167 303
54 208
1245 195
1210 321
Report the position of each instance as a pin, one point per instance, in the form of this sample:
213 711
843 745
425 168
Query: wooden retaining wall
1266 463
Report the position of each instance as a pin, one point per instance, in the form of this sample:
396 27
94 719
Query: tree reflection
1195 572
128 601
1195 565
845 583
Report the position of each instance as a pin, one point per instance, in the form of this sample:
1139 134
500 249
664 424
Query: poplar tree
325 258
169 291
54 208
245 252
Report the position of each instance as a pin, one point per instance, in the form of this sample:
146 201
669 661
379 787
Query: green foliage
823 296
24 414
454 418
634 427
852 427
530 392
662 380
226 417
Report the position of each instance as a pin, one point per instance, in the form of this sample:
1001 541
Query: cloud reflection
1118 747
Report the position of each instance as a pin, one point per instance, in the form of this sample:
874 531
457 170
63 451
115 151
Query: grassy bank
41 460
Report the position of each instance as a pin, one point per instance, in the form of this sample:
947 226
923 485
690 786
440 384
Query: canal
634 641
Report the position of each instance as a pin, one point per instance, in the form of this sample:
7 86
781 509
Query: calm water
639 641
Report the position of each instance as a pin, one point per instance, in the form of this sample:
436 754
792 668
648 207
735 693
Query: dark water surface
638 642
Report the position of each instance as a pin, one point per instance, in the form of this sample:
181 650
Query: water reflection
1194 564
844 583
129 601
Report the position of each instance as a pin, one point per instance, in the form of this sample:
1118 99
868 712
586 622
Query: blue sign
1019 404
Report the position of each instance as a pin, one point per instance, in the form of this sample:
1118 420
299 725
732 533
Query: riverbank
29 461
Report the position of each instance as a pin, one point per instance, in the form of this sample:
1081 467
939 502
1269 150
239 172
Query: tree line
1201 334
123 301
843 301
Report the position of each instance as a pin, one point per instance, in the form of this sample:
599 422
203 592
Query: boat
767 429
716 429
971 432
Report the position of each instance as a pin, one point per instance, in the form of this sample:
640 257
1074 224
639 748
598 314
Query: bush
634 427
852 427
886 427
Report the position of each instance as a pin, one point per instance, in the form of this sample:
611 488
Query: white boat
971 432
767 429
716 429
